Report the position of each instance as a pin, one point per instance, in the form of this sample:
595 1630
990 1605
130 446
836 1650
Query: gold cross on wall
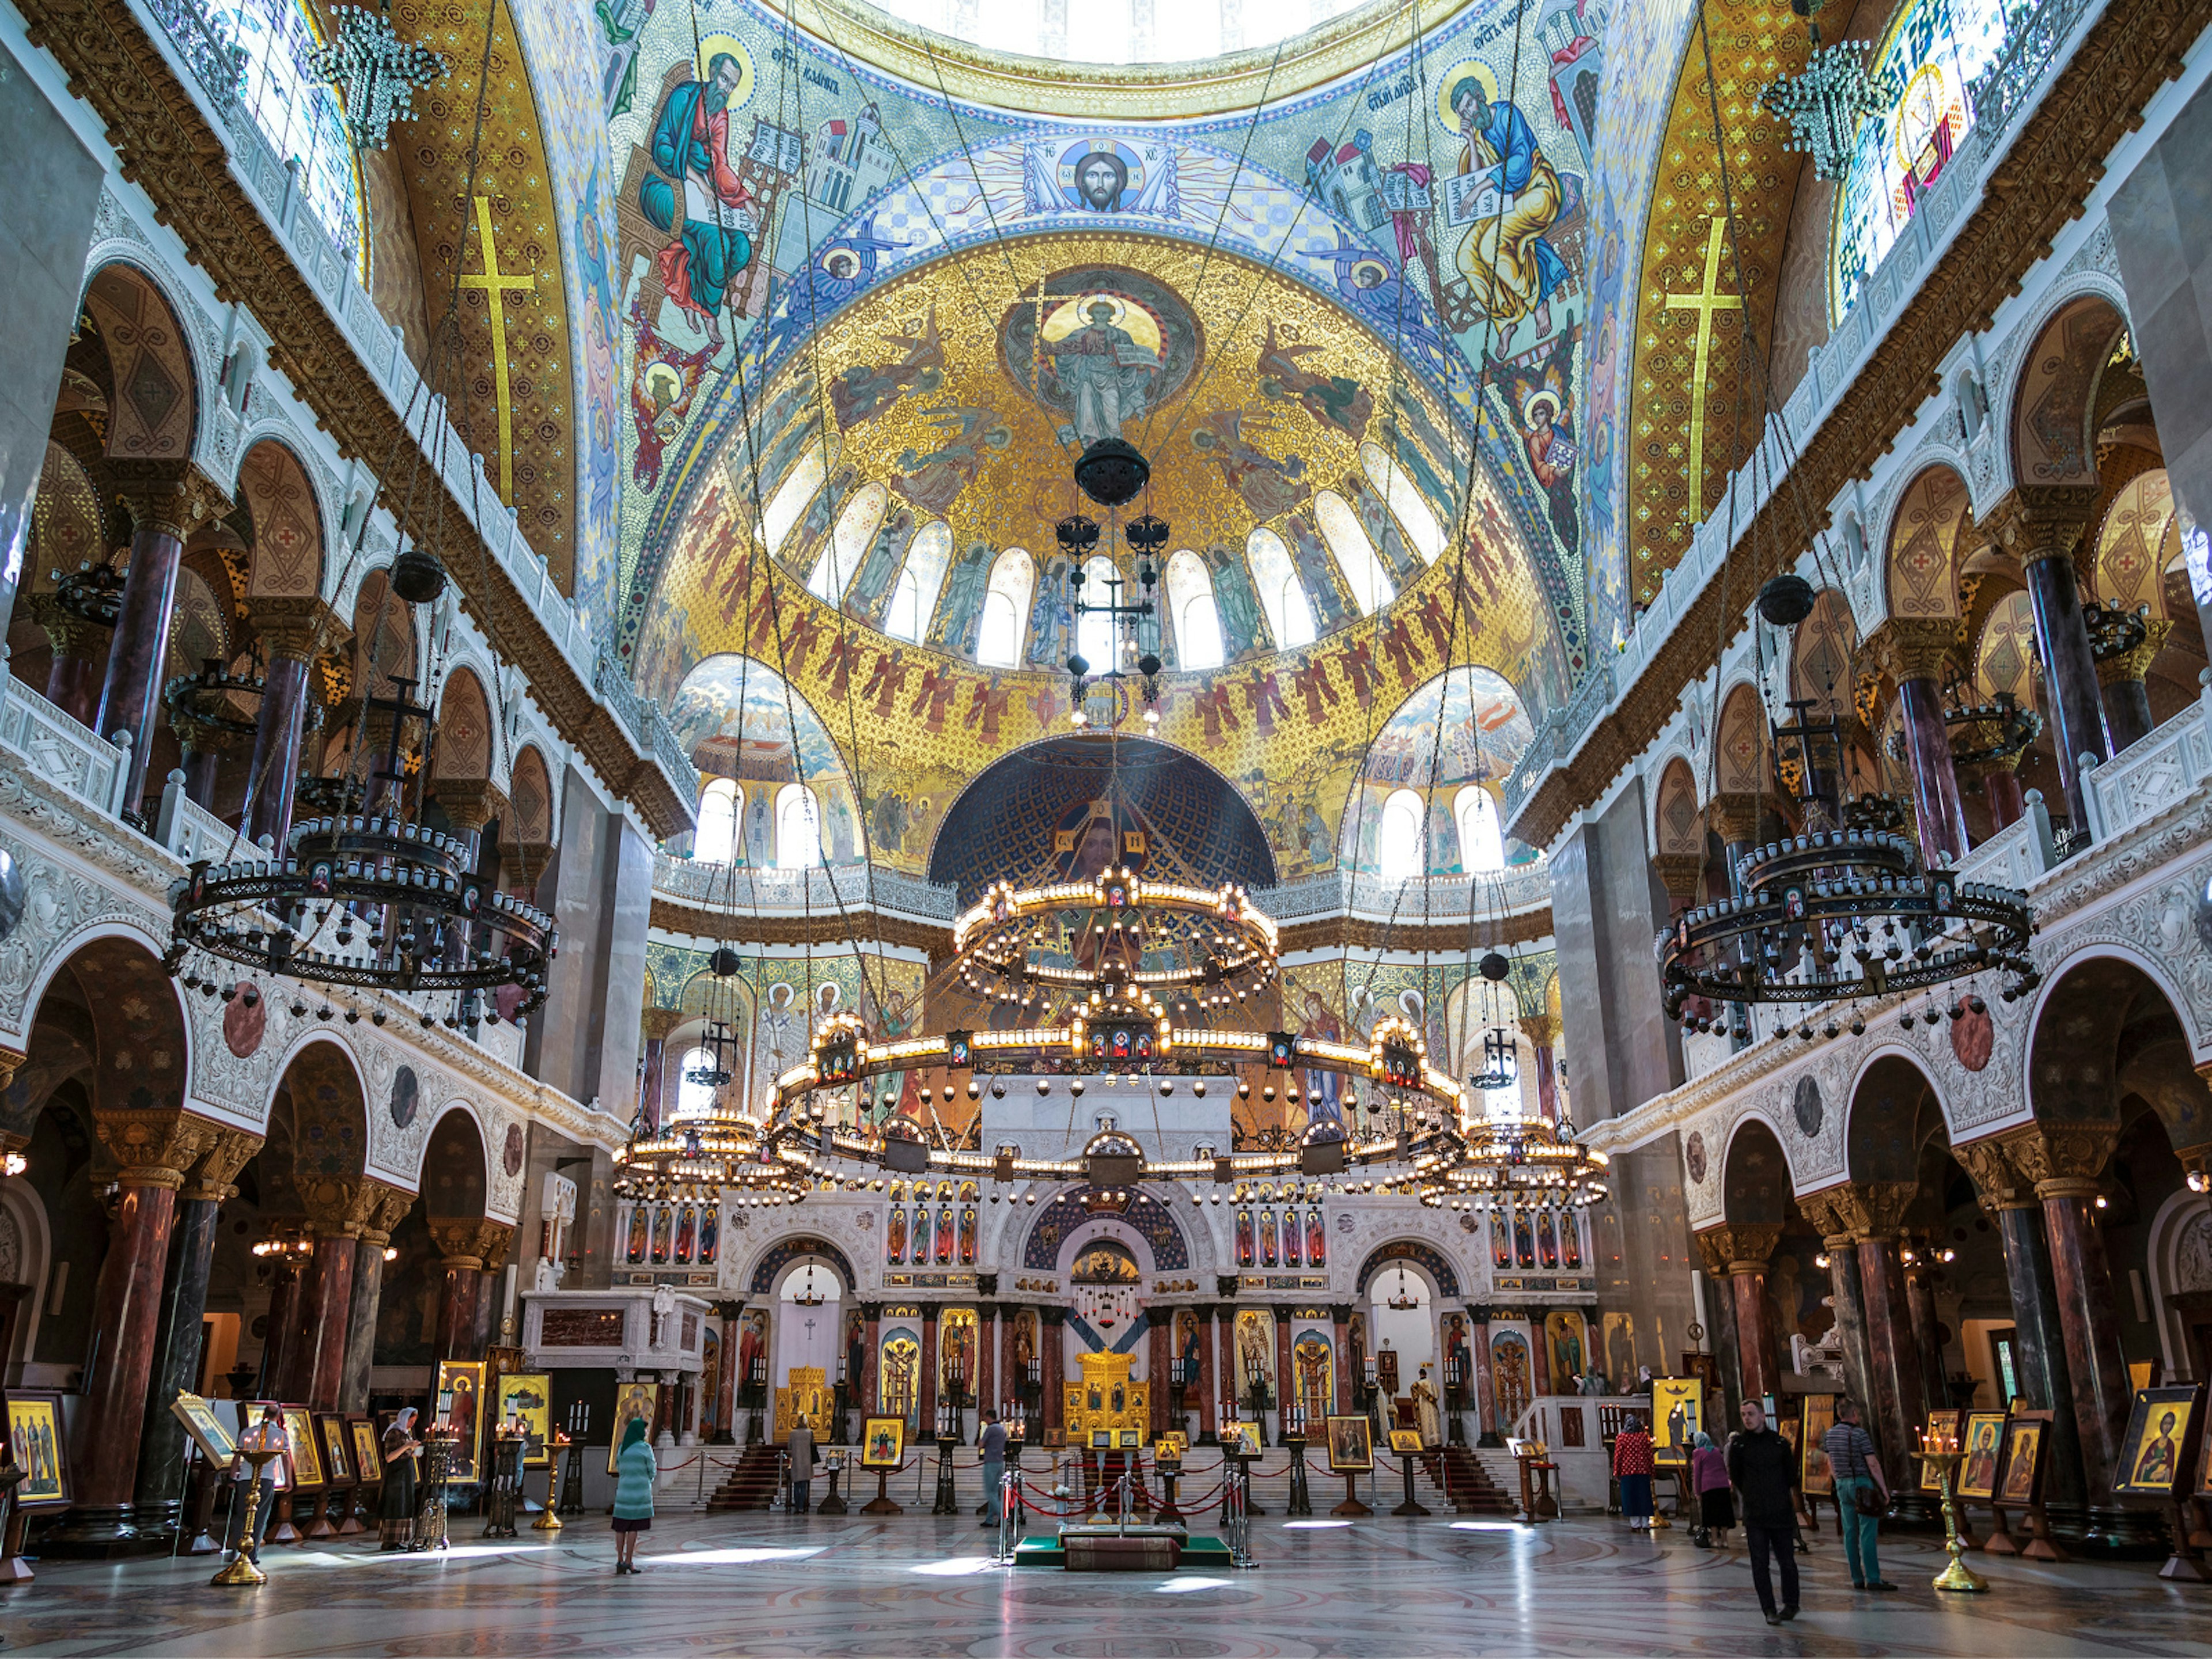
1707 300
493 284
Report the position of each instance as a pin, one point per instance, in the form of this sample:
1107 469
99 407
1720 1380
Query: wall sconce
14 1163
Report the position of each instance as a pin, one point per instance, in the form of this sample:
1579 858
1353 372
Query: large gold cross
493 284
1707 300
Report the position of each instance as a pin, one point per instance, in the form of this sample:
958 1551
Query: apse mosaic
825 273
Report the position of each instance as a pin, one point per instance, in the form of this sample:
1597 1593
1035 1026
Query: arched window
1190 602
791 497
1920 73
1095 632
1482 842
299 115
848 542
1407 503
1355 555
921 579
1005 608
1398 838
798 827
694 1099
715 840
1290 615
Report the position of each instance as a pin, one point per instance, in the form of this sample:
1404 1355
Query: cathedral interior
724 728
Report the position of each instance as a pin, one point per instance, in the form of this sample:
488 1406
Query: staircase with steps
751 1485
1470 1484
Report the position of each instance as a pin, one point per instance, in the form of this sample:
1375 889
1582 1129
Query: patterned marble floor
769 1584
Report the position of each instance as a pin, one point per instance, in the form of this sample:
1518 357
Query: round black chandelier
1840 917
374 899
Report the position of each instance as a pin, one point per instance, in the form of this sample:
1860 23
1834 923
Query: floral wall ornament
380 73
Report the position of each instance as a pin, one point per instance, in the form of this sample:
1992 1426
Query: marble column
926 1384
80 649
292 630
725 1386
2041 1374
1847 1302
871 1402
1998 780
457 1294
317 1369
1927 1333
1287 1381
1543 1031
178 1340
2047 541
1487 1433
1051 1321
1340 1320
658 1024
385 1208
1736 1257
1720 1314
986 1358
484 1326
167 499
2121 687
1208 1401
1913 651
1891 1356
280 1328
154 1149
2088 1315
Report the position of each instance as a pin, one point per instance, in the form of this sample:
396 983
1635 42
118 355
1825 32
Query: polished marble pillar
457 1308
1487 1433
986 1358
280 1328
153 1150
1736 1257
1940 811
1927 1333
177 1337
2121 688
76 667
1847 1301
1287 1381
725 1385
1339 1317
2039 1362
1160 1338
1892 1358
1543 1031
871 1402
167 500
926 1384
380 1210
1051 1321
2075 700
318 1373
289 638
1209 1406
653 1081
2088 1317
2001 791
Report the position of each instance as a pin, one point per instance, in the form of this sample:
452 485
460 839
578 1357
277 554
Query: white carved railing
2018 853
60 750
741 890
2041 38
2150 775
1516 891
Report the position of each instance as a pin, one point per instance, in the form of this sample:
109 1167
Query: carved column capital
228 1151
295 628
174 498
658 1023
1542 1029
469 803
1678 873
524 861
2135 663
69 635
1910 647
2063 1160
2036 522
1740 1246
1862 1209
473 1244
153 1148
1735 817
1997 1180
382 1207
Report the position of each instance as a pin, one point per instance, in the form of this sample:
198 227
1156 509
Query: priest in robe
1424 1409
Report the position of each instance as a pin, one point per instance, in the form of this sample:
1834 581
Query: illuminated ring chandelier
1529 1160
695 1156
817 1128
1991 731
398 905
1161 939
1842 914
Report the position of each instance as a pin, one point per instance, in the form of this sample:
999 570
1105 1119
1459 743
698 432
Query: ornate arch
154 412
1920 543
1056 1221
769 1266
1415 1252
2053 409
279 494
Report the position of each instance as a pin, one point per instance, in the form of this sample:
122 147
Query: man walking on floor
1758 1466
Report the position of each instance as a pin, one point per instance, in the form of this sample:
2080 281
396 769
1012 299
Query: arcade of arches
1121 652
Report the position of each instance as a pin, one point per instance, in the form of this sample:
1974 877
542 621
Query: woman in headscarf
396 1523
635 1470
1708 1476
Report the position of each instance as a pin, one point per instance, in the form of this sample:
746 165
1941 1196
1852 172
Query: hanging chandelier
1838 916
375 901
1824 101
697 1155
1132 625
380 72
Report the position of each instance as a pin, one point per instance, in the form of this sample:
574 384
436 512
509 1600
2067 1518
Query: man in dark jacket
1759 1463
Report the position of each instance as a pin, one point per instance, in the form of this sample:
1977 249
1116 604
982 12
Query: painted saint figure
694 195
1511 270
1105 372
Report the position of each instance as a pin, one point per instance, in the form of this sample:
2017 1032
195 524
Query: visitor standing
1758 1463
1631 1468
992 1445
267 1435
1861 1493
395 1510
1709 1479
800 1446
635 1470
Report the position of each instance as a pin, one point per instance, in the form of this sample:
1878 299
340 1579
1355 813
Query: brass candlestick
244 1569
1942 1455
549 1521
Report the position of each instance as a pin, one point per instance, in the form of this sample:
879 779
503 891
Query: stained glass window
1924 67
300 116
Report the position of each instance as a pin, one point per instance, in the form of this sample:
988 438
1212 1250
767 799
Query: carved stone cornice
165 144
228 1151
2061 1160
172 498
153 1148
295 628
2057 155
1910 648
1739 1247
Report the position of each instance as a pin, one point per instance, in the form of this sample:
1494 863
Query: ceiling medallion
377 900
380 73
1840 915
